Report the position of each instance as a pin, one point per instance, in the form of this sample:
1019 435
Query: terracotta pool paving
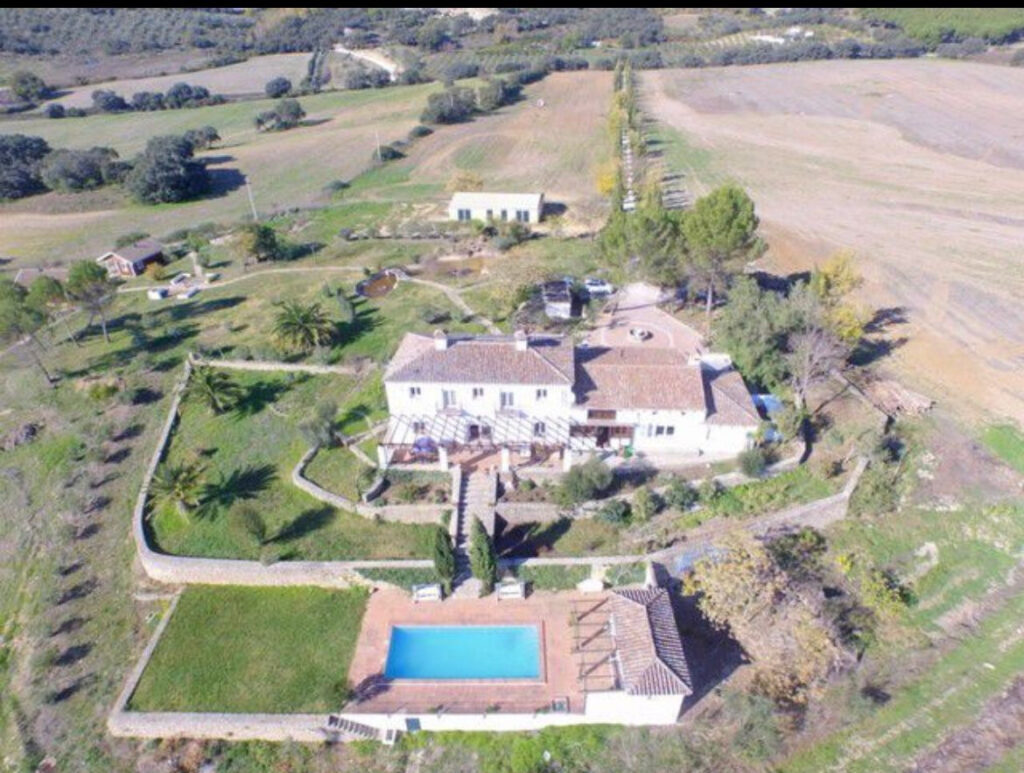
550 611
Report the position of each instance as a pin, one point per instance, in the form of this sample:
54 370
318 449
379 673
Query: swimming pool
464 652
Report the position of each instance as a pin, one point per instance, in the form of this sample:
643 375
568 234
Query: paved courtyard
559 667
636 307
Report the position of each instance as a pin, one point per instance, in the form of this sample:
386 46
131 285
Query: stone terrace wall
225 571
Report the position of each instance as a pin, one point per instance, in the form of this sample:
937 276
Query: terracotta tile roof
634 377
482 360
729 401
648 644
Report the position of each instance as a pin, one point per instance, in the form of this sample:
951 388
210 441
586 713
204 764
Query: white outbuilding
497 207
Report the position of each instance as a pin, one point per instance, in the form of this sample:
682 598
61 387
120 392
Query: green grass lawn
249 455
273 650
565 537
337 470
553 577
1007 442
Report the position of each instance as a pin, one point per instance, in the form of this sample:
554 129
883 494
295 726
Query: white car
598 287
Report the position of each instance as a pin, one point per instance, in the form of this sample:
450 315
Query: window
539 429
419 428
542 394
448 398
414 392
465 214
601 415
523 215
478 392
670 430
504 214
659 431
490 214
507 399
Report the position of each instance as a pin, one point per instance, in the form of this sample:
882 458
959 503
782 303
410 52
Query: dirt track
916 165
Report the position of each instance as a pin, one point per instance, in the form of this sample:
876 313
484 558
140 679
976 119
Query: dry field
247 77
68 70
917 166
524 147
286 169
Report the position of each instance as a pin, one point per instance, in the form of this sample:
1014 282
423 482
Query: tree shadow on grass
258 396
527 540
307 522
241 484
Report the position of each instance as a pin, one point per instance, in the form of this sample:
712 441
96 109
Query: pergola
504 431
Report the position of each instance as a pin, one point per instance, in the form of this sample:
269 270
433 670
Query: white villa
529 395
499 207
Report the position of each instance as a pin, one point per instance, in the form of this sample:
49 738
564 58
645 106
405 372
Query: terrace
574 656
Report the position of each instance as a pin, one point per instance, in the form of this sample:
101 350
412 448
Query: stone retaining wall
430 513
276 366
529 512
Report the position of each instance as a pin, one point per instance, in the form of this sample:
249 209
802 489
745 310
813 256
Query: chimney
522 342
440 340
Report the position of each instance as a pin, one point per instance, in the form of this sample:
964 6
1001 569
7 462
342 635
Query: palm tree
302 327
214 387
181 484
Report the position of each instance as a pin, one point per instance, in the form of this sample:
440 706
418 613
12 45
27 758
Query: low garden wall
515 513
274 366
428 513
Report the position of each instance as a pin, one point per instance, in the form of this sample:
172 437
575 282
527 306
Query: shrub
680 495
419 130
646 504
482 558
278 87
753 462
55 111
710 490
388 153
586 481
101 391
615 512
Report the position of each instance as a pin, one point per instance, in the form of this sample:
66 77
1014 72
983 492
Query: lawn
272 650
249 454
553 577
564 537
1007 442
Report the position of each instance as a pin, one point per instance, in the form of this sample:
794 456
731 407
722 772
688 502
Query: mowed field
916 165
248 77
552 141
286 169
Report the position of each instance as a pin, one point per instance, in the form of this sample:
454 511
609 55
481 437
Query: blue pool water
464 652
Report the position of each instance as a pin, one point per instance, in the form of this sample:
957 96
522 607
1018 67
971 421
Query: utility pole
252 203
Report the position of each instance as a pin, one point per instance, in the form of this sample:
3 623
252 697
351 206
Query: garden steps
476 500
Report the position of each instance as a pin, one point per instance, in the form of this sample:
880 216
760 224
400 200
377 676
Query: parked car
188 293
598 287
181 280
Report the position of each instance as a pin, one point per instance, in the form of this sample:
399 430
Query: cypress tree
444 558
482 558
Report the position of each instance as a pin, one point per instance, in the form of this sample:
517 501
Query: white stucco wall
479 209
623 709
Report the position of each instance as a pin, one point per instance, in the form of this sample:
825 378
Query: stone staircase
476 500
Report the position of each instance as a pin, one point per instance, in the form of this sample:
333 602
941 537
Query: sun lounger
511 589
427 592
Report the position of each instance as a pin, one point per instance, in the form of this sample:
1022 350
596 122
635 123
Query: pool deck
387 608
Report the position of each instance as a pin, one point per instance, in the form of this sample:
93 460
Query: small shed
133 259
496 207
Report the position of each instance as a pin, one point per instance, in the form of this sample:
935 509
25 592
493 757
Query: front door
474 431
602 437
448 398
